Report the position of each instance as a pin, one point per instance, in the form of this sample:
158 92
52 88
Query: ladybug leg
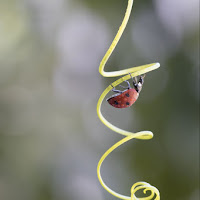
114 90
134 81
117 91
126 87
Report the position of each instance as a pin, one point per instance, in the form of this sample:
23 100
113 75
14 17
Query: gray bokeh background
50 136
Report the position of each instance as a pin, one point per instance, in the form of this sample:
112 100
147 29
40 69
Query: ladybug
126 98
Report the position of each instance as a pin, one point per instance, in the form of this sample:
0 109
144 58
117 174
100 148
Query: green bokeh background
50 136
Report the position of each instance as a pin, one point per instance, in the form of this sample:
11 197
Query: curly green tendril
144 135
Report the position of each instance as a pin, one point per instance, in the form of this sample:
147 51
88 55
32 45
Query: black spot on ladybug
116 103
127 94
127 103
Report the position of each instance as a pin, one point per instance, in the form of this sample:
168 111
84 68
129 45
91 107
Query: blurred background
50 136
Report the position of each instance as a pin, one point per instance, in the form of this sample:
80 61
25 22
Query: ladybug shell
123 100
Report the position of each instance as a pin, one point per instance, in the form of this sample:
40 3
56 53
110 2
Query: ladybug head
138 84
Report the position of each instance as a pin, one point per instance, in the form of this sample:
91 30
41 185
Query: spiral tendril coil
144 135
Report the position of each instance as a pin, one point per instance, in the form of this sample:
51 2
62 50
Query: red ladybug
126 98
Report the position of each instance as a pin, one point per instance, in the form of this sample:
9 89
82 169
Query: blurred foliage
44 95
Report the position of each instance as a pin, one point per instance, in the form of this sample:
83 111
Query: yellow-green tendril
145 135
